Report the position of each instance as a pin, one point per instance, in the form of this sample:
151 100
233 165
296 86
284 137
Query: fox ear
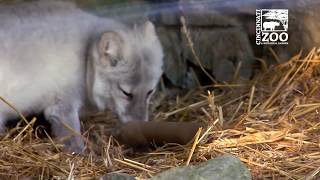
149 31
109 48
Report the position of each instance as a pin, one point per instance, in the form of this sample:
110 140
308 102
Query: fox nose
137 110
142 118
128 118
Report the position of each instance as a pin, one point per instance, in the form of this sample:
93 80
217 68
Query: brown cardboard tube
144 133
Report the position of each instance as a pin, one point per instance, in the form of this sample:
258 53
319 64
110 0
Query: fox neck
90 77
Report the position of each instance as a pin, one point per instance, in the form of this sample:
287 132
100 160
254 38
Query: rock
175 67
116 176
222 168
218 40
219 43
220 50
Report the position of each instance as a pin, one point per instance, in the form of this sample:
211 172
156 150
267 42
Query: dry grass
272 124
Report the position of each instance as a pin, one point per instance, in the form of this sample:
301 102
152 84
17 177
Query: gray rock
169 17
220 50
222 168
175 66
219 43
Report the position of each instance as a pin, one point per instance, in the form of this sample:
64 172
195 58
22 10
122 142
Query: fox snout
135 111
134 117
129 118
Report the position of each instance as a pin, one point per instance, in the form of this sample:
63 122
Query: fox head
124 69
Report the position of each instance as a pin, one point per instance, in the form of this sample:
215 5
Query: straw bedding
271 123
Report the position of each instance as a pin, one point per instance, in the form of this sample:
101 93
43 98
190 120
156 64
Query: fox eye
149 93
129 95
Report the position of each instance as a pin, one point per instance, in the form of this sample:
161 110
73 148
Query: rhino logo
274 19
270 25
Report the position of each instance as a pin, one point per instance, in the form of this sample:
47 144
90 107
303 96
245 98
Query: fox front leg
65 124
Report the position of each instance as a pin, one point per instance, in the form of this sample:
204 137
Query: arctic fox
60 60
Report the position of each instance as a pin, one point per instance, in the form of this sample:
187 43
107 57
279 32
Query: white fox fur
61 60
